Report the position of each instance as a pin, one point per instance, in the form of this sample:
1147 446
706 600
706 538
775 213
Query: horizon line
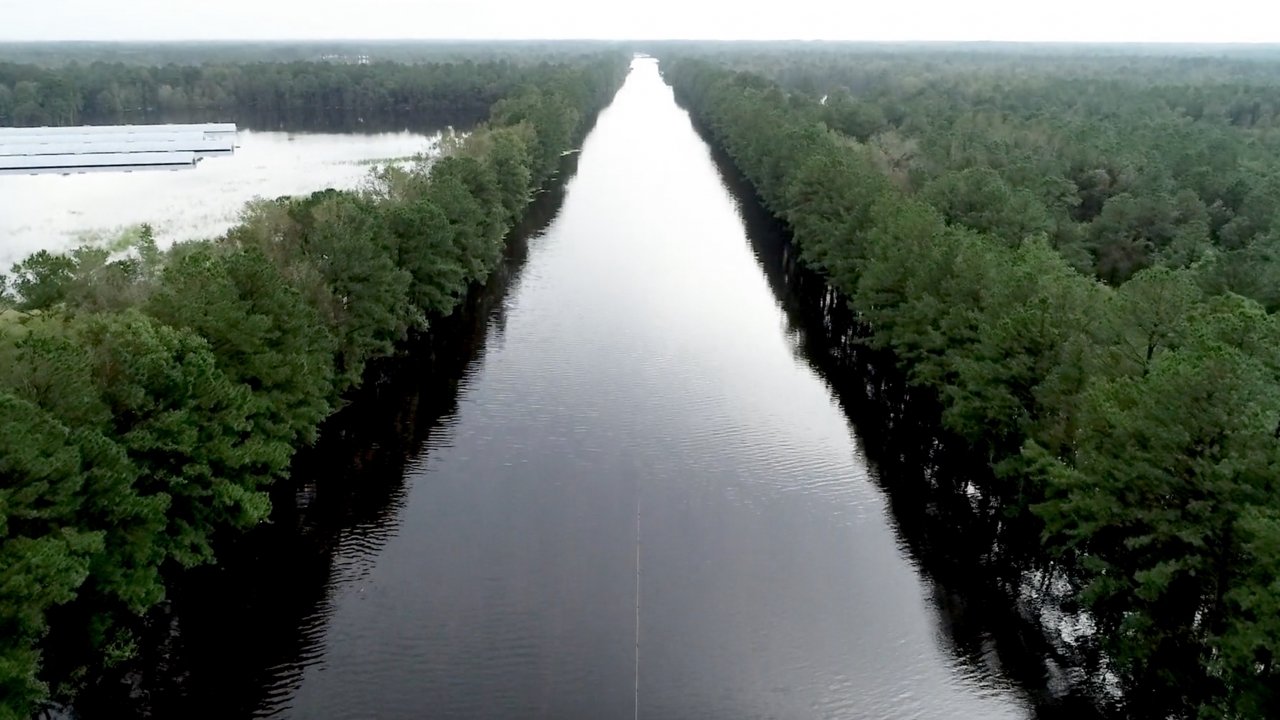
496 40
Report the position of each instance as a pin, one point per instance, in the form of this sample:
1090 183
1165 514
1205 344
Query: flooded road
639 431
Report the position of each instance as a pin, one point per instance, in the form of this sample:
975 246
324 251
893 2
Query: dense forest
1078 258
149 398
1124 162
107 93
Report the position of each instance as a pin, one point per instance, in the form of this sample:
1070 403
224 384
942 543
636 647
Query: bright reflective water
640 368
54 212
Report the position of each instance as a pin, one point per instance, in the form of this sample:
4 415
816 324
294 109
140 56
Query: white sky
1028 20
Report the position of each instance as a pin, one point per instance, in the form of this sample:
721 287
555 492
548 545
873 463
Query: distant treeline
201 52
1076 258
149 398
104 93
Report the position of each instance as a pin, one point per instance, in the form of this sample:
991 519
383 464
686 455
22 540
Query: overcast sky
1031 20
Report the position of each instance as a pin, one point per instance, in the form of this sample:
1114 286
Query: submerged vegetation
1076 257
149 398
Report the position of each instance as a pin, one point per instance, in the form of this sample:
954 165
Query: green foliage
186 426
1148 315
509 151
1008 381
1246 644
424 242
342 237
832 200
44 557
467 193
260 329
42 280
1164 466
1253 271
979 198
105 93
553 117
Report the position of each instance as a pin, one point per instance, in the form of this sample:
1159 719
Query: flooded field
56 212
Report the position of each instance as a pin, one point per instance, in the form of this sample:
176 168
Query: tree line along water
1082 317
150 398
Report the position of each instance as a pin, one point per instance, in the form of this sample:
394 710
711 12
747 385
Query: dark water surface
639 367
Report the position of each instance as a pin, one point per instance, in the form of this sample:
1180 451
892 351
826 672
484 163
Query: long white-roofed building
112 148
204 128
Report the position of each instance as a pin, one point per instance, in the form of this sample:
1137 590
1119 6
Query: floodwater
55 212
625 493
645 503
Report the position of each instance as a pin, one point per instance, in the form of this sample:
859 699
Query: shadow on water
962 547
234 640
